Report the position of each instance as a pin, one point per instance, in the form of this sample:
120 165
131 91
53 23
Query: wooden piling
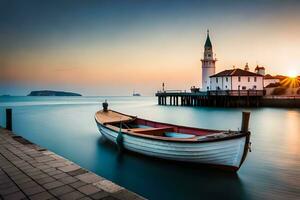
9 119
245 122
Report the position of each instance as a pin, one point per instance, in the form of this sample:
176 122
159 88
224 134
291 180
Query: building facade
208 64
268 79
236 79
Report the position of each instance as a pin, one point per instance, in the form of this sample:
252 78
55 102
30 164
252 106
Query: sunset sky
113 47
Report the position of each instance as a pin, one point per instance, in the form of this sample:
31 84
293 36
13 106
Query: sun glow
292 81
292 74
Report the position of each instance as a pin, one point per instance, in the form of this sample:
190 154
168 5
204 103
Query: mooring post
9 119
245 122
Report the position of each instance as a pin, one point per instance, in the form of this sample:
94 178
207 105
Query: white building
236 79
208 64
268 79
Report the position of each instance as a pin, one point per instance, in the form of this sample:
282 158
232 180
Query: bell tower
208 64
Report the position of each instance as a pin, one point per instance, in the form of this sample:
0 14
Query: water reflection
160 178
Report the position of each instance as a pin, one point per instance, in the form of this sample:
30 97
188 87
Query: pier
237 98
231 98
28 171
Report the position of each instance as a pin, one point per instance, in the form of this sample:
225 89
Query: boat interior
163 131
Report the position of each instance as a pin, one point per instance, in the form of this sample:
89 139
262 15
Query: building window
255 79
208 55
239 79
254 87
244 88
226 79
217 80
226 86
248 79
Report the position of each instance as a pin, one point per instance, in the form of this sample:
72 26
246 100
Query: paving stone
100 195
40 176
78 184
109 198
69 168
77 172
72 196
5 179
24 180
89 189
6 185
43 166
29 169
14 196
56 164
85 198
59 191
44 159
59 176
18 177
50 169
108 186
68 179
9 190
53 184
35 173
41 196
28 185
45 180
89 178
10 169
54 172
23 165
33 190
48 152
126 195
15 173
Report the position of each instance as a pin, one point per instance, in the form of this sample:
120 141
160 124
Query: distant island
52 93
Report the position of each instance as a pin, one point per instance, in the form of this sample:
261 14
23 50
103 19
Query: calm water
67 127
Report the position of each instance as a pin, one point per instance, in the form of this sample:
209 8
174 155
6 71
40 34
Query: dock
28 171
232 98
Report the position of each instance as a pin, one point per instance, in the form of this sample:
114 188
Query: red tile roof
235 72
268 76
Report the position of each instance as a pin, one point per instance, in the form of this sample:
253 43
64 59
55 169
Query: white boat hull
227 153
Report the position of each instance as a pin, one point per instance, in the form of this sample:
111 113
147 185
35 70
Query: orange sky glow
142 58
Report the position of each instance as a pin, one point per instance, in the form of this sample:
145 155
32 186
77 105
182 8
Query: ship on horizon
136 94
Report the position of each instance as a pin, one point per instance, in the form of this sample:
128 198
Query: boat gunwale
172 140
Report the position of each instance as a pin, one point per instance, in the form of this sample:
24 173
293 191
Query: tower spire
208 42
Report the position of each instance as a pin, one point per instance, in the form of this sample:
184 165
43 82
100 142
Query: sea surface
66 126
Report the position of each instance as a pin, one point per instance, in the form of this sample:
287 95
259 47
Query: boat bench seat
152 131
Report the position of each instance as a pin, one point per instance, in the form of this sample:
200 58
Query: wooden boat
225 149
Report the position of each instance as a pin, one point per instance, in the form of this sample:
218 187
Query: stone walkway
28 171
